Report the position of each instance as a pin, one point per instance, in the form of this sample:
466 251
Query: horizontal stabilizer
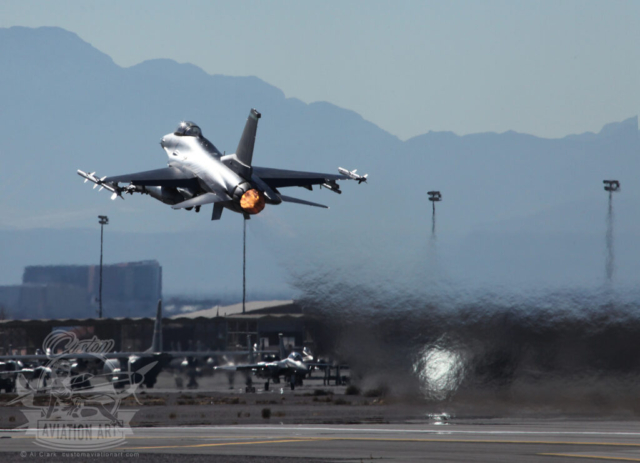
206 198
289 199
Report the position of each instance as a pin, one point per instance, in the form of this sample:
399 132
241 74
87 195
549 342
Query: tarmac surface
477 440
319 423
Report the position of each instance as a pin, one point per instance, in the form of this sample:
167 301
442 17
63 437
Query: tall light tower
611 186
103 220
434 196
244 263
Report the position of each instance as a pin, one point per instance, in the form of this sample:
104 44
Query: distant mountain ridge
628 127
68 106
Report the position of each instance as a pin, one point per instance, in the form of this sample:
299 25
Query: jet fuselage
190 153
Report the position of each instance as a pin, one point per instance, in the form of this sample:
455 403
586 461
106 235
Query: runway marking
377 439
380 439
217 444
440 430
598 457
157 437
480 441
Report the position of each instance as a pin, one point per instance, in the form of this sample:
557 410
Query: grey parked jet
293 367
199 174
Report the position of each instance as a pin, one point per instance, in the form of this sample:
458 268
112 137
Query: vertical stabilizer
156 343
283 351
244 152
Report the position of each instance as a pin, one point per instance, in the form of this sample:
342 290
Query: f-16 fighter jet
294 368
199 174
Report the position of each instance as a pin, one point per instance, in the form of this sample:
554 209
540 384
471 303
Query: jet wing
324 365
279 178
169 176
237 367
289 199
247 367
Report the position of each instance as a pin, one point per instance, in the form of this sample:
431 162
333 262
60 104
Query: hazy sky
548 68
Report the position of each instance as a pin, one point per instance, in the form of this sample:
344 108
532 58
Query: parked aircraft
119 368
292 367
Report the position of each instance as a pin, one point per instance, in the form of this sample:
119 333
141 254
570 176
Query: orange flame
252 201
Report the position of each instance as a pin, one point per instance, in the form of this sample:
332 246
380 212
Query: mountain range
518 210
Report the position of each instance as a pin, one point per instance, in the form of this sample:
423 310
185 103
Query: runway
488 440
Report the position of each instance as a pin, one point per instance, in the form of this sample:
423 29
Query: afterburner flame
252 201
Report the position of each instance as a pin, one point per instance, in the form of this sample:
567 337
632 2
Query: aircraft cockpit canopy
296 356
188 129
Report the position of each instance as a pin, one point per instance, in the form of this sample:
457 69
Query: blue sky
549 68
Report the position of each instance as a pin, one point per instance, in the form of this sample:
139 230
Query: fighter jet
11 369
293 368
199 174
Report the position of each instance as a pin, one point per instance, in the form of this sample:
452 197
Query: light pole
611 186
103 220
244 263
434 196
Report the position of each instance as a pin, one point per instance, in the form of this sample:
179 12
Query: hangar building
216 329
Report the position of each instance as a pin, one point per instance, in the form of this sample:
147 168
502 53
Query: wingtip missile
353 175
113 188
83 175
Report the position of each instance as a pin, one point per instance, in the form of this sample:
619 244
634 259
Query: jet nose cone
162 142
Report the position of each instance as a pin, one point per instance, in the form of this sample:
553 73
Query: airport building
129 289
216 329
